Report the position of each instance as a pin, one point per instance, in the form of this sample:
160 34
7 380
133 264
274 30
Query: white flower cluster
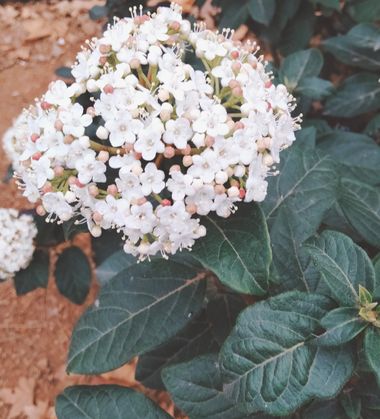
144 143
17 233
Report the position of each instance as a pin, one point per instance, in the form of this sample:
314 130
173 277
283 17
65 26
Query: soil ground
37 38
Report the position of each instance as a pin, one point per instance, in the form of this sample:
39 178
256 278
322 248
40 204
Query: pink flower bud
169 152
112 189
108 89
103 156
37 155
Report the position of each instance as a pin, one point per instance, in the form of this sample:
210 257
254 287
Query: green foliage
73 274
237 249
303 342
105 401
137 310
36 275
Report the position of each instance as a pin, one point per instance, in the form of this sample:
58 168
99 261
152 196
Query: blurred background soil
35 329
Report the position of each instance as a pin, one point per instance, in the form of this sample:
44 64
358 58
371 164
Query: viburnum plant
174 137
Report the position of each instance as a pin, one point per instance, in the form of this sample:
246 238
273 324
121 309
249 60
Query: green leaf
376 265
324 409
285 10
299 66
290 258
262 10
352 405
342 325
307 137
114 264
267 361
358 47
358 94
195 339
298 31
196 388
106 401
314 88
35 276
237 250
234 13
373 126
104 246
73 274
333 4
8 174
137 310
360 204
372 350
364 10
343 266
307 184
98 12
366 35
365 297
222 313
64 72
49 234
359 154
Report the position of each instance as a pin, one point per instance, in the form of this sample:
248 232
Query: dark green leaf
114 264
268 364
343 266
342 325
333 4
290 258
314 88
237 249
324 409
352 405
357 95
307 137
195 339
262 10
222 313
98 12
8 174
285 10
36 275
366 35
196 387
137 310
360 204
73 274
373 126
104 246
372 350
299 30
106 401
359 154
364 10
234 13
307 184
346 49
376 265
64 72
299 66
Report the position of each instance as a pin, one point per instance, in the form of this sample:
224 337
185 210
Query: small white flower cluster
143 142
17 233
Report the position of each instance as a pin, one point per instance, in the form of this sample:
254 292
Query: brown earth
35 329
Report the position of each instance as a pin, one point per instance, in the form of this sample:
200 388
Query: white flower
43 171
149 140
90 169
180 185
152 180
74 121
178 132
17 233
141 218
212 121
59 93
55 203
123 128
164 144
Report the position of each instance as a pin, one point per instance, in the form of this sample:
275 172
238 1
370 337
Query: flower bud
221 177
233 192
96 231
